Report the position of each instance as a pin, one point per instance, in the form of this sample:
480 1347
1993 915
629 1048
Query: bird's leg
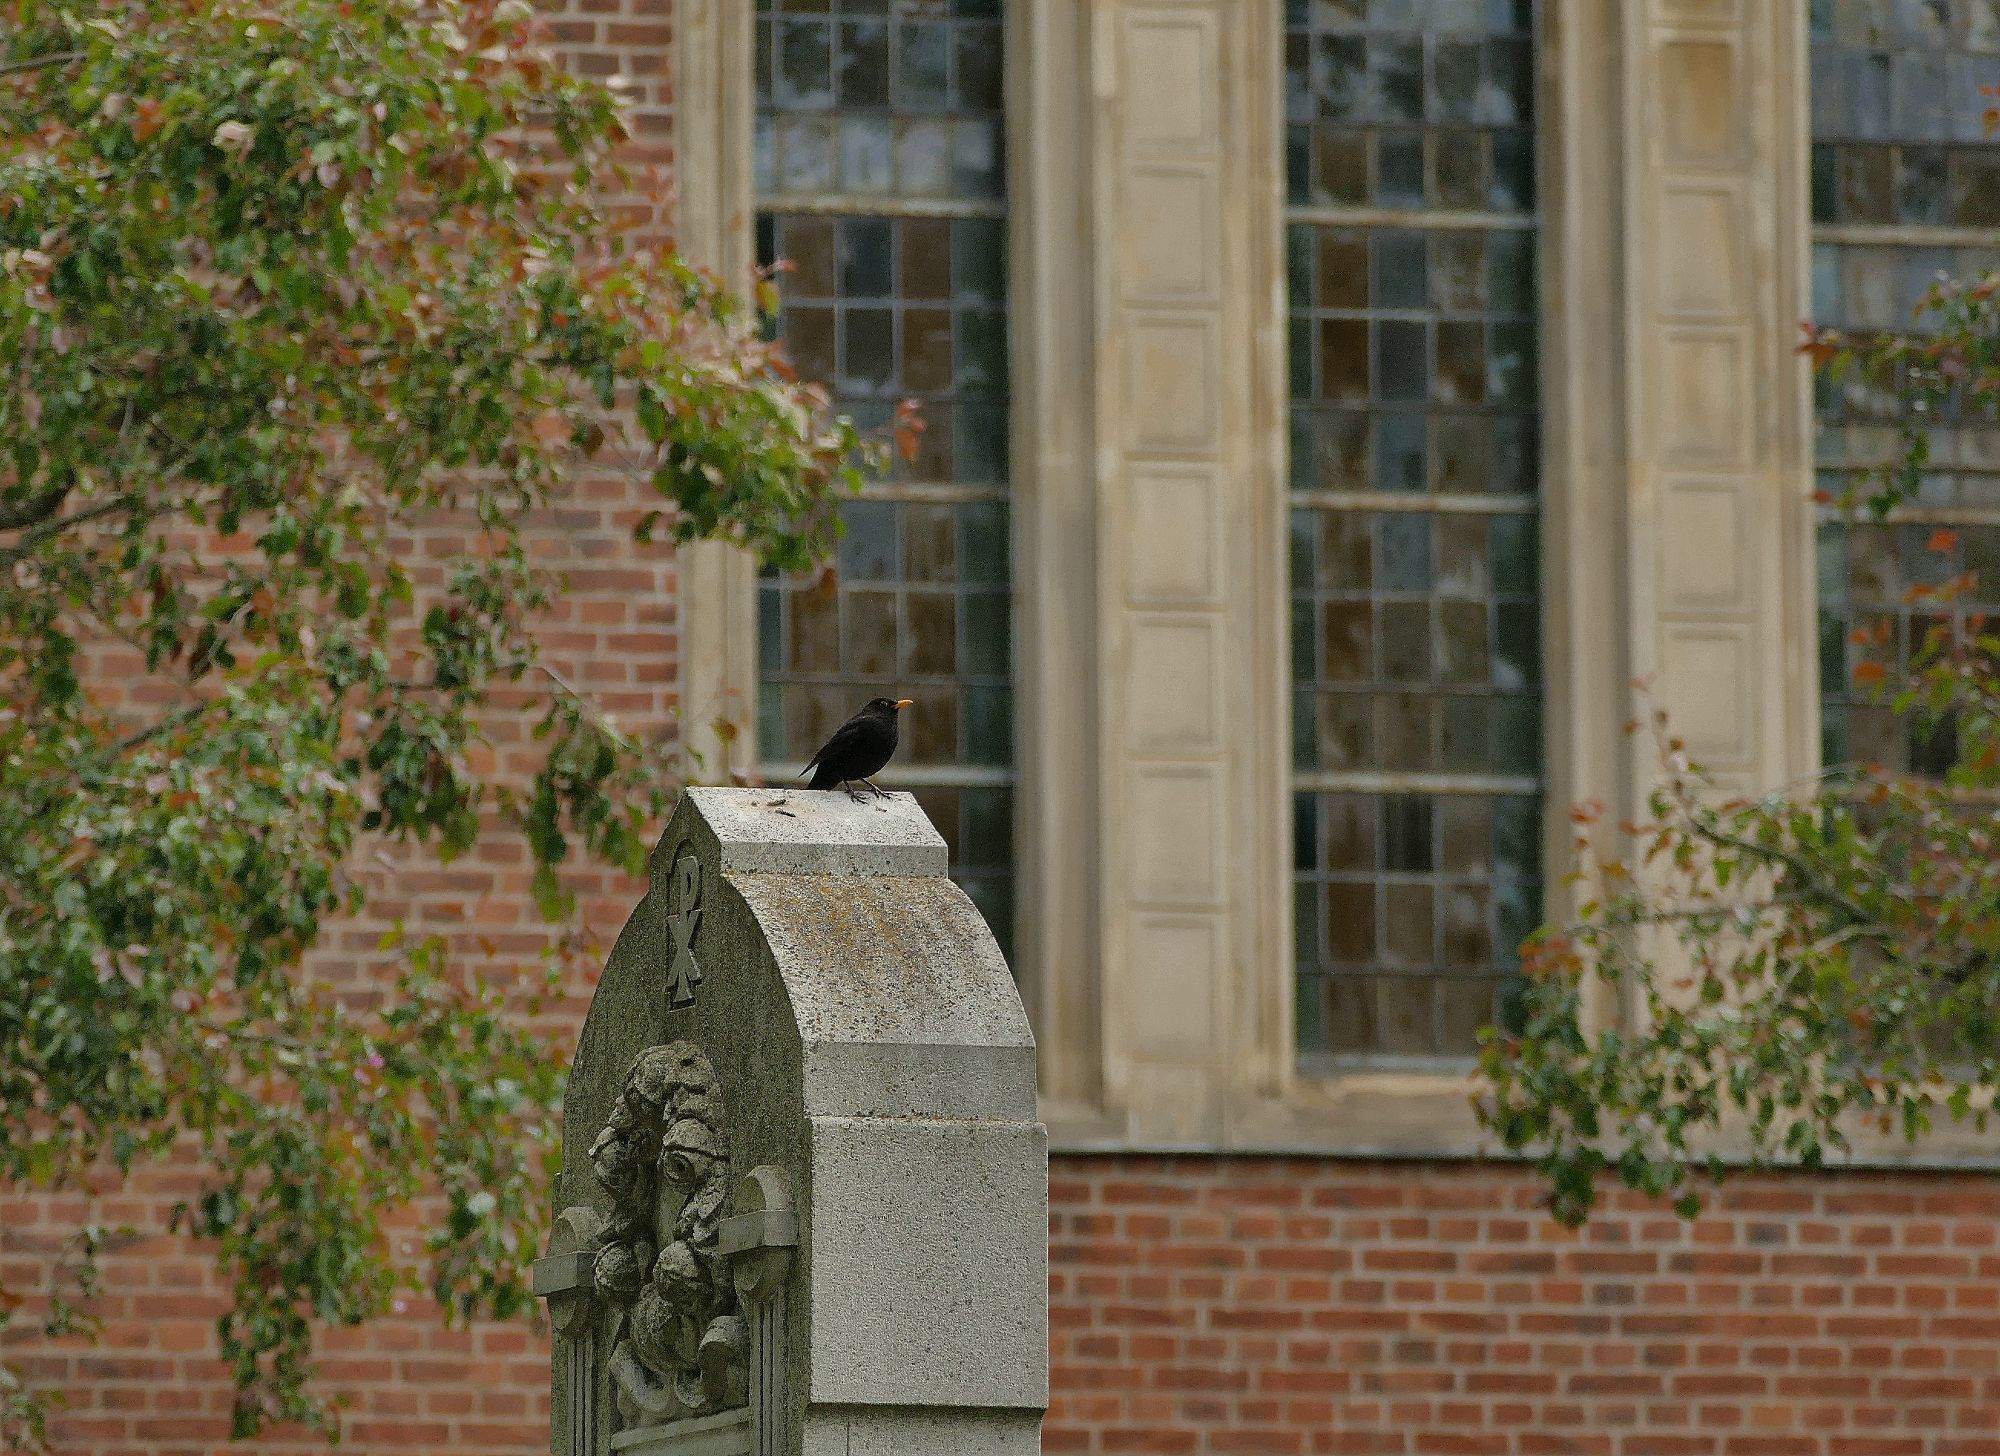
848 785
876 787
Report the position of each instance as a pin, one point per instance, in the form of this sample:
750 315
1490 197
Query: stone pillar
1717 404
1190 416
803 1206
712 55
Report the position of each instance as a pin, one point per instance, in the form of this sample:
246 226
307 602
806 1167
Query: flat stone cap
787 831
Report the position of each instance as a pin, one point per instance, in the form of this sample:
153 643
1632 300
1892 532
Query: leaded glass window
880 180
1905 188
1415 519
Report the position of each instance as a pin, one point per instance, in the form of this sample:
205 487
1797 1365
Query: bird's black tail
826 777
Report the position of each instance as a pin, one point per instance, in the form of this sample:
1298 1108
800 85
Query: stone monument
803 1207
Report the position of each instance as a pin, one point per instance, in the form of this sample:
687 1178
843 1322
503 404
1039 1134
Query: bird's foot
876 787
851 792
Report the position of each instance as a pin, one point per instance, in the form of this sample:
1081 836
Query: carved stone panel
663 1157
1719 433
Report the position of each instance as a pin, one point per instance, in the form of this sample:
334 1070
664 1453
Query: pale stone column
1053 339
1190 567
714 109
1719 434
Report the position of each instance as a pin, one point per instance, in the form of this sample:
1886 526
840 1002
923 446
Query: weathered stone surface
874 1084
730 1433
932 1295
663 1157
799 831
874 1431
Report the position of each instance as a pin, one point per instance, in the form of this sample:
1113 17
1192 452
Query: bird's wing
843 736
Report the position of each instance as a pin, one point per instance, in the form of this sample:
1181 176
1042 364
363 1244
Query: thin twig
591 710
166 725
36 63
35 535
1793 862
32 512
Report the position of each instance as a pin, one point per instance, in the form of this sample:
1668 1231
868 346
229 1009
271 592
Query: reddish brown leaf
146 120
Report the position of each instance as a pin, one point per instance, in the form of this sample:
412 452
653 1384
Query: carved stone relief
680 1343
683 921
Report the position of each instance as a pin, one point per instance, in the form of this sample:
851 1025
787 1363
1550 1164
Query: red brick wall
1298 1305
1268 1305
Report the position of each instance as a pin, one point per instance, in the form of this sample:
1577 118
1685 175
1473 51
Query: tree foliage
1777 975
280 283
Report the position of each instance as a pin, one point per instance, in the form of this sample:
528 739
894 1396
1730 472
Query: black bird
858 748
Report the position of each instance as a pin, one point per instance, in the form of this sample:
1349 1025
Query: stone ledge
824 832
726 1434
1387 1117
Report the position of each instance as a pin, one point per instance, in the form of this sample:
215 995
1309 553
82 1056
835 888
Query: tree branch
590 709
36 535
1803 872
36 63
32 511
178 719
36 515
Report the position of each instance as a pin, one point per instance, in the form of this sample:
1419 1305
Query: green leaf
652 416
551 898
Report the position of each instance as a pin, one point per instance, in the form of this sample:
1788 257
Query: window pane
917 95
1417 106
860 103
1898 109
1899 143
920 556
1410 909
1416 615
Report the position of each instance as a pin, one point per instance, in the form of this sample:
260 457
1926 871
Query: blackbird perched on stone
858 748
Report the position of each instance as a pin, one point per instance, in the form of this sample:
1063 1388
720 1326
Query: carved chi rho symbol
684 974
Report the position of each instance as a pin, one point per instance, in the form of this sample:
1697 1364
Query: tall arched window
1415 520
881 185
